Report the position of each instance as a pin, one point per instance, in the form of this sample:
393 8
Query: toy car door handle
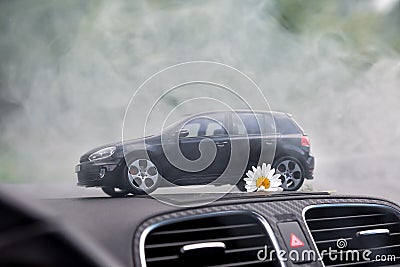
221 144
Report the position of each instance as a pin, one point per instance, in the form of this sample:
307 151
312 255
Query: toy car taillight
305 141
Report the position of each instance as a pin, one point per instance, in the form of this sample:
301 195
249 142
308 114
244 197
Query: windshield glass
309 89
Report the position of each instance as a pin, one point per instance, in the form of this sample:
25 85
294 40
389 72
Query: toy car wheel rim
142 174
290 173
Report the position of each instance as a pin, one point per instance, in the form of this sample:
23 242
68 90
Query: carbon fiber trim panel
273 210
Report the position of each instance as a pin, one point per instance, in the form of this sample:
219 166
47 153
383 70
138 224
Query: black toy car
135 166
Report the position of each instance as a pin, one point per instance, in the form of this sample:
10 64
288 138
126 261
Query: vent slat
203 241
243 263
345 217
186 231
366 263
333 222
331 240
164 258
347 239
246 249
363 249
241 232
385 247
351 264
355 226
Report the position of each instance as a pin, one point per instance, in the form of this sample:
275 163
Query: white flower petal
275 179
276 176
264 168
256 175
261 188
251 184
276 183
271 173
259 172
254 168
267 169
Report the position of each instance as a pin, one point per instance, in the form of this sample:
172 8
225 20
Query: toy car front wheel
115 192
142 176
292 174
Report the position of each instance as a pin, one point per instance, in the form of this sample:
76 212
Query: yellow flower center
263 181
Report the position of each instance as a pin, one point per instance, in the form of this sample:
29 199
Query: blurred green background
68 69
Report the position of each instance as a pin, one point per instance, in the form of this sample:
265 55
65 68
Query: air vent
220 239
341 230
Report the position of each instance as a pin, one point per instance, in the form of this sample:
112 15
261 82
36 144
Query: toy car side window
248 123
238 125
213 124
284 125
214 128
206 126
193 127
270 127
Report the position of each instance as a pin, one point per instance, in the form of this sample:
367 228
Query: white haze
68 71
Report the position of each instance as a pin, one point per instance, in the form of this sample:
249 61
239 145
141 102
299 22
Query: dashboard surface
116 225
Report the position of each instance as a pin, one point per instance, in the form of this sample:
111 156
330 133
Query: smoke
69 69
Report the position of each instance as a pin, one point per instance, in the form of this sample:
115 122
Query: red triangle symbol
295 241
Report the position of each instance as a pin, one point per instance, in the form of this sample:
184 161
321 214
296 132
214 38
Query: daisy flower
262 179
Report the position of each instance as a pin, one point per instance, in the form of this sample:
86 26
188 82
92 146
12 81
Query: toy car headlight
102 153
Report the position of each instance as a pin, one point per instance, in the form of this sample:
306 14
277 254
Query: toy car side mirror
183 133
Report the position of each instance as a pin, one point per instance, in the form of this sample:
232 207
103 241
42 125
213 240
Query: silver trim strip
373 232
260 218
271 234
307 208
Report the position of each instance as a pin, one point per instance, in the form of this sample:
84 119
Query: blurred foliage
357 22
86 49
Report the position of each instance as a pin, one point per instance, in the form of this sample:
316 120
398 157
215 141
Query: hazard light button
295 241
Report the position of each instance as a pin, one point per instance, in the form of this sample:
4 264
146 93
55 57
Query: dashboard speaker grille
343 233
234 238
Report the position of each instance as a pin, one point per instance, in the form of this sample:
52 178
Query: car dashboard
237 230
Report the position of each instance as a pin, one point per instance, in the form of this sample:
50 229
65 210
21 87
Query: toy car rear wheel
142 176
292 173
115 192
